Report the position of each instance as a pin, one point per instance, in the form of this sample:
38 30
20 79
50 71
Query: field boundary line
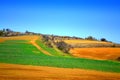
33 42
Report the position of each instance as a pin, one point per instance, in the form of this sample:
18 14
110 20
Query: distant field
20 52
30 37
88 43
82 41
96 53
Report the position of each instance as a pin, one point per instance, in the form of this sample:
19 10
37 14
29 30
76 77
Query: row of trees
8 32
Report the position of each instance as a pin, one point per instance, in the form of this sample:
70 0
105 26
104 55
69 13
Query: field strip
38 47
32 40
28 72
1 40
96 53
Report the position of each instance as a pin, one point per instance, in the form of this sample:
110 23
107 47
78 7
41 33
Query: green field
51 50
20 52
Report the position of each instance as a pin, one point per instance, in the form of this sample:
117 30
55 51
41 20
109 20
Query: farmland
28 72
88 43
94 49
21 50
96 53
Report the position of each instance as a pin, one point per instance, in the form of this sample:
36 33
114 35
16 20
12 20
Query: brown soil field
28 72
1 40
96 53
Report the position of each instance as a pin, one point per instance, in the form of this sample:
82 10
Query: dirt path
38 47
25 72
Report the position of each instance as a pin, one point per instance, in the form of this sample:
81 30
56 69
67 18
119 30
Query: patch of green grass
27 54
51 50
16 41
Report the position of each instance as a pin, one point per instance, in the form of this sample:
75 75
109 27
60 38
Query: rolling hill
31 50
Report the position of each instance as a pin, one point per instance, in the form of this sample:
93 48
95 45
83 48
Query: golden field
27 37
82 41
28 72
96 53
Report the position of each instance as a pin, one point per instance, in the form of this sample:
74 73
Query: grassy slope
20 52
51 50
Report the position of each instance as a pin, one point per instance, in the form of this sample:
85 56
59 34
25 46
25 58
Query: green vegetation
51 50
27 54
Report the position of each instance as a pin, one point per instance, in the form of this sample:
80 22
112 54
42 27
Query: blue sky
82 18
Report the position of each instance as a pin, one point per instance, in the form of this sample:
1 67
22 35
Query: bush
63 46
1 33
49 44
118 59
90 38
103 39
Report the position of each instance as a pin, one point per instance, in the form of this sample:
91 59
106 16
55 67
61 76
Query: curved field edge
27 54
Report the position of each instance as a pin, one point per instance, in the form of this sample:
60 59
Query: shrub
118 59
63 46
103 39
90 38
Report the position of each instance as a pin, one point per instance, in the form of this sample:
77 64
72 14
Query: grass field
21 52
96 53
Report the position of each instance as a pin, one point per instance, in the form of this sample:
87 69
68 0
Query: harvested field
27 37
88 43
1 40
82 41
96 53
27 72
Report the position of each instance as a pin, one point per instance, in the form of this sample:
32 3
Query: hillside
32 50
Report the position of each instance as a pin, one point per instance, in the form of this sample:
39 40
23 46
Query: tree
1 33
90 38
103 39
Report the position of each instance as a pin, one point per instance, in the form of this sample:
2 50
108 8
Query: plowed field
25 72
96 53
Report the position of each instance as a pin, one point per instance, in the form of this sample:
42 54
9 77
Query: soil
28 72
96 53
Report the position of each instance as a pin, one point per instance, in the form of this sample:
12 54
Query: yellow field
82 41
27 37
96 53
1 40
27 72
